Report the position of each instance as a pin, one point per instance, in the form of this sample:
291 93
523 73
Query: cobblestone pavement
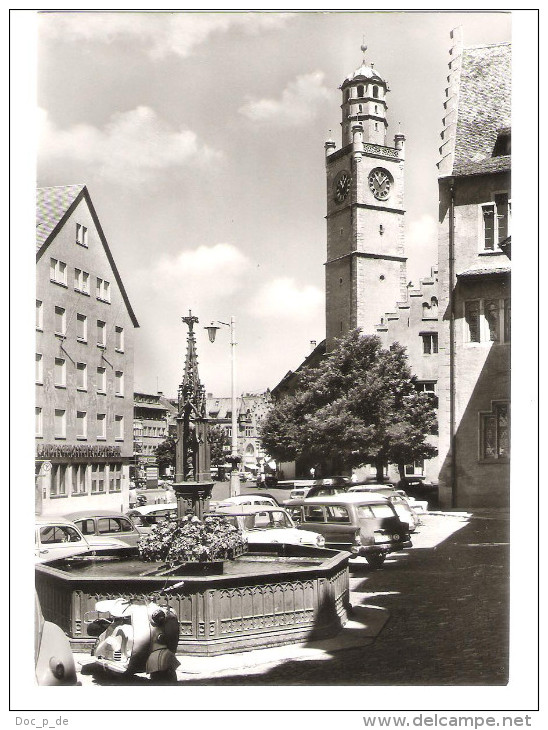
448 608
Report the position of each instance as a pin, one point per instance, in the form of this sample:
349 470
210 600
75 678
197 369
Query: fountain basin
272 595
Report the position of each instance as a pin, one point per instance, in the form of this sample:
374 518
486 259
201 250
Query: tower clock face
380 183
342 186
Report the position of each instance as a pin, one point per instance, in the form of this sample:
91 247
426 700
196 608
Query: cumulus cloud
298 104
161 33
282 298
133 144
207 271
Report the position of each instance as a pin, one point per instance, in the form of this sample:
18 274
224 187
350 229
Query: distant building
474 278
84 360
153 421
251 408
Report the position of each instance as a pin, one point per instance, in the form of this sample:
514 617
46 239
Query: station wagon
364 524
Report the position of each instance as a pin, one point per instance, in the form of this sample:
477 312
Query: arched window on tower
376 92
360 108
434 306
347 94
360 90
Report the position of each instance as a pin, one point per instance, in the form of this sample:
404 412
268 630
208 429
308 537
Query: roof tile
51 204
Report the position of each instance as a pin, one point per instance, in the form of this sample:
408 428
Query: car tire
375 560
167 676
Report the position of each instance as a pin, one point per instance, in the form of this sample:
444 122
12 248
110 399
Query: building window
416 468
79 481
81 328
60 373
119 383
81 424
360 90
58 480
81 235
495 433
496 218
39 369
103 290
101 380
60 321
81 376
119 424
472 319
376 92
101 426
101 334
426 386
249 430
81 281
60 424
58 271
487 320
39 315
97 478
119 339
429 343
114 477
38 422
507 318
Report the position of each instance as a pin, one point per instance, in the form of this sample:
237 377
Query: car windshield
273 520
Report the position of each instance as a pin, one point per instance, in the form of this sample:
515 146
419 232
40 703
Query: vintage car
243 499
149 515
261 525
364 524
399 500
53 658
57 537
104 523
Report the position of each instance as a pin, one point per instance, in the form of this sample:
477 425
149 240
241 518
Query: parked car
269 525
421 490
56 537
105 523
320 490
398 499
243 499
297 493
149 515
53 658
364 524
333 482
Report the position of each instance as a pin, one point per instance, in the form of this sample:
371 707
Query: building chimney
313 344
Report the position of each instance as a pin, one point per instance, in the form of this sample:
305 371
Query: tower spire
191 390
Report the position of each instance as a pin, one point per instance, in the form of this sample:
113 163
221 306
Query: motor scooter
135 635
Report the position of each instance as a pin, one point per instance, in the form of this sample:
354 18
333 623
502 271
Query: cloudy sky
200 137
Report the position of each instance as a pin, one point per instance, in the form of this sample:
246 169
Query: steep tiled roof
51 205
483 109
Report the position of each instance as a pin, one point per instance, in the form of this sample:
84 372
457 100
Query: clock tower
366 265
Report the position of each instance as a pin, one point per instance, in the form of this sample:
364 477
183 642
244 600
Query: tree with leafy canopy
165 453
218 439
359 406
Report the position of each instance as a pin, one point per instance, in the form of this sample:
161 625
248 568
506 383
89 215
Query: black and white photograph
273 358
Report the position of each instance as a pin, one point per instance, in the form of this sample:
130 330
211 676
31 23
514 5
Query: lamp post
234 459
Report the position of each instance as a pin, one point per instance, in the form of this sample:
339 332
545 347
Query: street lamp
212 332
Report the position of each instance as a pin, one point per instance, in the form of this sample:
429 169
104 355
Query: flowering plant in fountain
192 540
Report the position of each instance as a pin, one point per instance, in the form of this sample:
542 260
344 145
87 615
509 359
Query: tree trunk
379 464
401 469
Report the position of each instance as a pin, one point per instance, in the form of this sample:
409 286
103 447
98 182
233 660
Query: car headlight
395 537
320 541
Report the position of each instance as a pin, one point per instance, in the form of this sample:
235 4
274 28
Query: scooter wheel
167 676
